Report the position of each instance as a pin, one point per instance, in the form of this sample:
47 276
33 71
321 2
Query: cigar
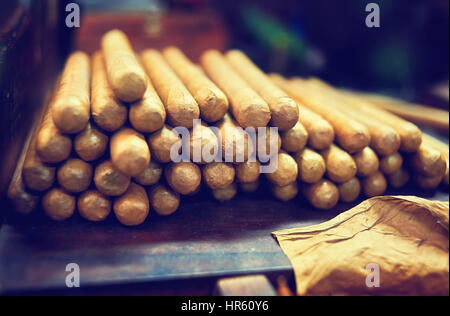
133 206
37 175
383 138
94 206
392 163
107 110
58 204
180 105
374 185
428 161
349 191
410 134
237 146
226 194
163 200
249 109
367 162
51 145
427 182
129 152
287 171
285 193
183 177
350 134
109 180
91 143
399 178
248 172
150 175
323 195
72 104
320 132
294 139
443 148
204 144
218 175
283 109
125 74
341 166
75 175
211 100
148 114
311 166
161 143
250 187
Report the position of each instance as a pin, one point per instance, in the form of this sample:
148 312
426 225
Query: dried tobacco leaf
405 237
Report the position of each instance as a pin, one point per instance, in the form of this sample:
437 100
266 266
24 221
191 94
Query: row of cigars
104 140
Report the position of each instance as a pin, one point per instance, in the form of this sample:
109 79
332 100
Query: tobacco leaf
405 236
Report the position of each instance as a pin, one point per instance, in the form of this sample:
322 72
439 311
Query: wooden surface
204 239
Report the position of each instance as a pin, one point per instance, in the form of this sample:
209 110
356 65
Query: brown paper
405 237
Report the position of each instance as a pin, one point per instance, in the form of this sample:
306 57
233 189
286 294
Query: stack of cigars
104 141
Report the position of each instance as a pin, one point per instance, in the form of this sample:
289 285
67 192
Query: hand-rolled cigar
391 163
428 161
107 110
320 132
294 139
323 195
426 182
109 180
374 185
150 175
399 178
211 100
218 175
37 176
163 200
94 206
58 204
349 191
129 152
286 172
180 105
367 162
443 148
249 187
148 114
161 142
133 206
125 74
75 175
51 145
383 138
350 134
226 194
249 109
248 172
237 146
91 143
410 134
285 193
272 145
71 105
311 165
341 166
183 177
283 109
204 144
22 201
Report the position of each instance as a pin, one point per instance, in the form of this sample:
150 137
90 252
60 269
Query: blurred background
407 57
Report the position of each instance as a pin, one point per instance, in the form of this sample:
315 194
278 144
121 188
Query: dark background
406 57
